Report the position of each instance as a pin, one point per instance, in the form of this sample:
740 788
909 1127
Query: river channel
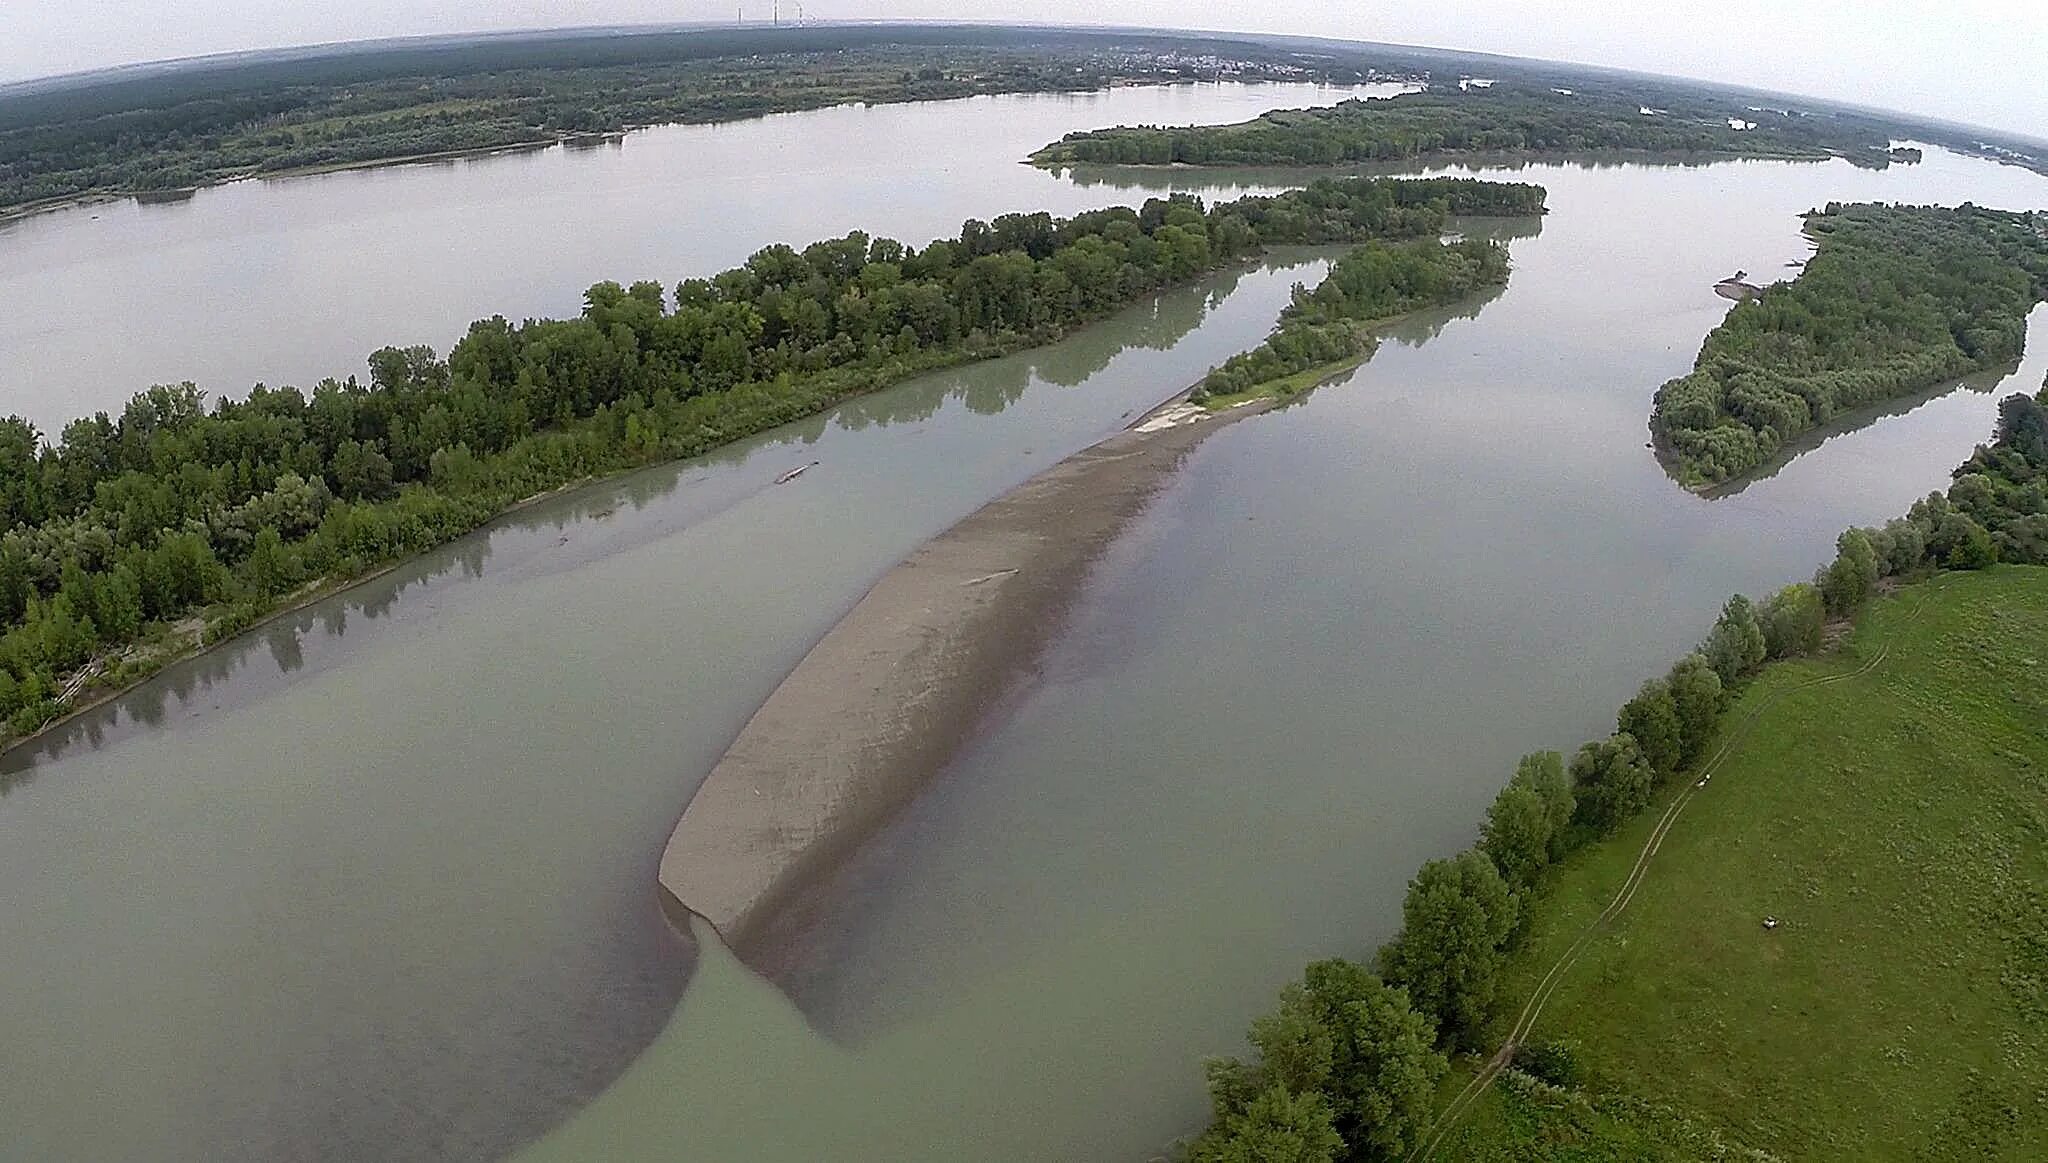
377 880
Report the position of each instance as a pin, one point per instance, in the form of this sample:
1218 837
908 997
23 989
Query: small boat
794 473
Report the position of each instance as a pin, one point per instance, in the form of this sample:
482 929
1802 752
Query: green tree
1544 771
1793 619
269 569
1458 917
1849 582
1736 646
361 472
1274 1127
1652 719
1384 1065
1961 543
1696 695
1611 782
1342 1033
120 605
1517 833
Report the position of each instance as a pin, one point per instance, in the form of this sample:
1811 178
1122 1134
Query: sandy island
886 698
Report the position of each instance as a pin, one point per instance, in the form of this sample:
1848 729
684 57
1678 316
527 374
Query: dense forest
128 524
1498 119
1894 300
183 131
1347 1066
1330 326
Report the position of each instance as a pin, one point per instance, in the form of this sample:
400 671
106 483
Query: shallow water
378 879
1307 670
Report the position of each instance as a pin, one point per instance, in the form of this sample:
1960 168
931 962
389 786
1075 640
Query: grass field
1896 823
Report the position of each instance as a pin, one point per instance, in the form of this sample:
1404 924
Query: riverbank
208 627
1882 807
890 694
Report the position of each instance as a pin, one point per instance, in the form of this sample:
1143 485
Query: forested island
1324 331
1896 299
1351 1063
130 536
201 126
1518 120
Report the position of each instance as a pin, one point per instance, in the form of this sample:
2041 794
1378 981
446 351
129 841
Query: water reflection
288 280
1981 383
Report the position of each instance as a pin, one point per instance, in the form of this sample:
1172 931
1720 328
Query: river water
287 281
378 879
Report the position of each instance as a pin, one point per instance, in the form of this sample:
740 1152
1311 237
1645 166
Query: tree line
1503 119
1374 282
1346 1066
1895 299
128 524
201 126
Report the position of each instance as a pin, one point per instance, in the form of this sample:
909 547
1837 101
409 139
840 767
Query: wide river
378 880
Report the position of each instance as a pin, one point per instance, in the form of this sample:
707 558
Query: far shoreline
570 140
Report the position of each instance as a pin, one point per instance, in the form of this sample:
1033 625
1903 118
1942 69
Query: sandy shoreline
893 691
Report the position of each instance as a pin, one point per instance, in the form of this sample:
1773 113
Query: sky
1978 61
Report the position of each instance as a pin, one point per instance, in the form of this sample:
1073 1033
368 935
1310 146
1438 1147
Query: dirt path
1525 1022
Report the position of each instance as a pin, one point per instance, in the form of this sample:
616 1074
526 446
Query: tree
1517 833
1696 695
1274 1127
1457 918
120 605
1544 771
1296 1051
361 472
1961 543
1792 621
269 569
2023 424
1384 1066
1652 719
1611 782
1736 646
1345 1035
1852 578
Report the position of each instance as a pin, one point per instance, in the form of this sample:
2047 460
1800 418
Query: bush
1554 1062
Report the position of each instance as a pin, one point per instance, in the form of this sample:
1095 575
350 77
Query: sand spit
892 692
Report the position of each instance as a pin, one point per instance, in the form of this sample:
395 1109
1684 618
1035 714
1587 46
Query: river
378 879
287 281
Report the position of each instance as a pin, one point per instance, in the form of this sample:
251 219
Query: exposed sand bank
886 698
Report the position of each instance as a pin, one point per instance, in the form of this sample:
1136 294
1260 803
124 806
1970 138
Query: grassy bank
1888 804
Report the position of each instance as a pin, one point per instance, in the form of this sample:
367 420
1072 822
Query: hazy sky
1973 60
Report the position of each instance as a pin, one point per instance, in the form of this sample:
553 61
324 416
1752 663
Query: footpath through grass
1896 825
